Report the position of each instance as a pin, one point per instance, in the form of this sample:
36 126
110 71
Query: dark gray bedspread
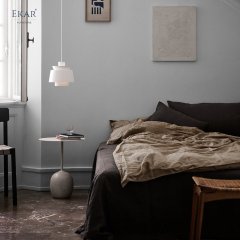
154 208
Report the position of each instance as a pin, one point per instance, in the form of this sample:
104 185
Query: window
12 51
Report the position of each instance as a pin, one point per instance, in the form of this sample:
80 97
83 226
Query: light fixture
61 75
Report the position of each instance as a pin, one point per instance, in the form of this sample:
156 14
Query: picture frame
97 10
174 33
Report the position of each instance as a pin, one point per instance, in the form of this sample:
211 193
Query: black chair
6 150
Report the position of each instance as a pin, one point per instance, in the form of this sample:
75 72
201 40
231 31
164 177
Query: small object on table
61 182
73 136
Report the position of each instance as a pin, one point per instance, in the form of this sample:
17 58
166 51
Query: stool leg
199 217
194 213
14 178
5 175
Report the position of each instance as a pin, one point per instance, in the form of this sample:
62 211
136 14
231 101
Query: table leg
61 155
61 183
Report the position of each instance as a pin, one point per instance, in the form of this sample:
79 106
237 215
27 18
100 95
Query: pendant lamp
61 75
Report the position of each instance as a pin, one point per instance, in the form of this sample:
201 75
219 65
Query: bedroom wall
31 162
115 77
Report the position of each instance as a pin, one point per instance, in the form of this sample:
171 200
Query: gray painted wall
115 77
32 114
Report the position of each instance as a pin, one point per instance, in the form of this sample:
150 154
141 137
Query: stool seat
207 190
5 150
217 184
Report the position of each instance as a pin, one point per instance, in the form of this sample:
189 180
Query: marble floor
38 216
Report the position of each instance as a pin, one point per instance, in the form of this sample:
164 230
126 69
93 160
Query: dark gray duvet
156 209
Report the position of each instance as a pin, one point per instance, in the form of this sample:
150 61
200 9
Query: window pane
1 43
1 11
10 49
1 80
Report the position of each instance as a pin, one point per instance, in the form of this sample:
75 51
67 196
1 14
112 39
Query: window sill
12 104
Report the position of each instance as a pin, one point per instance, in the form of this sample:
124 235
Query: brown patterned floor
38 216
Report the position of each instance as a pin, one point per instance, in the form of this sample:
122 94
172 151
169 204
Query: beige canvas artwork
174 33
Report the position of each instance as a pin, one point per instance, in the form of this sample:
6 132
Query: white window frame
24 53
14 89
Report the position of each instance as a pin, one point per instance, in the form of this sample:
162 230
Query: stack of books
72 136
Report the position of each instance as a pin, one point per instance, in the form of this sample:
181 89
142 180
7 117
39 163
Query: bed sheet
147 210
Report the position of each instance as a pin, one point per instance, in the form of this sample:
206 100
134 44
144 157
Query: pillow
118 123
166 114
119 129
221 117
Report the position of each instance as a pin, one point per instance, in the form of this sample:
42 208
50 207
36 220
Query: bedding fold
153 149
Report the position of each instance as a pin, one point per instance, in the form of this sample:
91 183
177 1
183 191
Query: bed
159 208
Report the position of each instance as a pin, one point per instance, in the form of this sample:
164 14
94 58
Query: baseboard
43 189
37 179
52 170
47 189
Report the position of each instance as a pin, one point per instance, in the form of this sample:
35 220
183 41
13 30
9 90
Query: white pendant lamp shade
61 75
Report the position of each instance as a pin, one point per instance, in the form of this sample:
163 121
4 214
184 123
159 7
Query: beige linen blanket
153 149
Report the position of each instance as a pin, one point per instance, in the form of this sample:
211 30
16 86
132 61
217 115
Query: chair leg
14 178
5 175
194 213
199 217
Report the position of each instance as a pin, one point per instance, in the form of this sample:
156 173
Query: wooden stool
207 190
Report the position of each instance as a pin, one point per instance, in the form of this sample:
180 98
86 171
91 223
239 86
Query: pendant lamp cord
61 31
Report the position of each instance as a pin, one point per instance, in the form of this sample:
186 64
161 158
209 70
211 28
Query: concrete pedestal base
61 184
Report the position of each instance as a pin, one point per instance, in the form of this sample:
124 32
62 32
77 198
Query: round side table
61 182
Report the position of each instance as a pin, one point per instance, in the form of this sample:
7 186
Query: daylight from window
10 51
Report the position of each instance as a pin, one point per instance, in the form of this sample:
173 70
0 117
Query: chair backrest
4 117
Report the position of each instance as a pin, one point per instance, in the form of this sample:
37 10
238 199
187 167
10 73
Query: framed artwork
98 10
174 33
